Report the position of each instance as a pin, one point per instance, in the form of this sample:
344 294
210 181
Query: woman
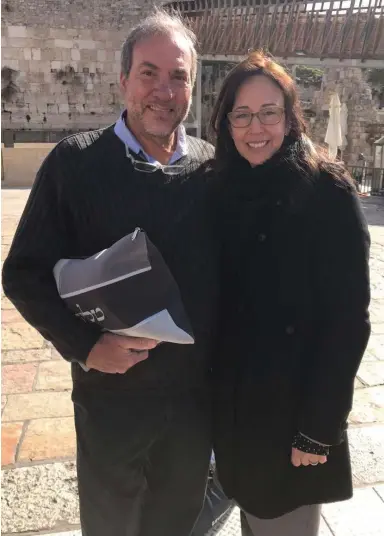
295 296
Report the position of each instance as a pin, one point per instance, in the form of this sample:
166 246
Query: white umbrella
333 136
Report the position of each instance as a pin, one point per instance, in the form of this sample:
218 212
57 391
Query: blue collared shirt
126 136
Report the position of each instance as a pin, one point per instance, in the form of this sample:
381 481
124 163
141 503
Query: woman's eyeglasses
267 116
147 167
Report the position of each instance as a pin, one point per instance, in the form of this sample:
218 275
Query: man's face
158 89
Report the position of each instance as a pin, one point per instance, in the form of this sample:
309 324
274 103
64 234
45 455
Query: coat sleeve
42 238
340 271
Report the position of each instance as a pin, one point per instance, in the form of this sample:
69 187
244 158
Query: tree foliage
375 78
309 76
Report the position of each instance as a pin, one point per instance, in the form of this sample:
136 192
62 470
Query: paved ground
38 446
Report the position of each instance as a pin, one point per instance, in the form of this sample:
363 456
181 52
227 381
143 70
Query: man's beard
158 130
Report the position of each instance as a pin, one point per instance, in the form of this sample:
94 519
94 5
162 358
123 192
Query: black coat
294 327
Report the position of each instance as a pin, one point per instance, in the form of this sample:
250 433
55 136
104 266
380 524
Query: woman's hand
298 457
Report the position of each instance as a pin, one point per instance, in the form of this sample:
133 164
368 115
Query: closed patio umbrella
333 136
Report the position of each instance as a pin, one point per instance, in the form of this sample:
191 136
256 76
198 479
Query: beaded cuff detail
310 447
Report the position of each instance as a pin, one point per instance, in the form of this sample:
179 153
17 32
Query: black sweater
87 196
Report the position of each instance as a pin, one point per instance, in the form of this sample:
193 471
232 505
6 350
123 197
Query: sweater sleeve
42 238
340 255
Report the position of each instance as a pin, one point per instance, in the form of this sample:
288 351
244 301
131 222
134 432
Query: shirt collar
126 136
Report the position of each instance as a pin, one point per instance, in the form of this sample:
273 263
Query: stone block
65 55
101 55
10 437
56 65
25 356
75 54
38 31
363 515
111 55
36 66
27 53
5 303
58 33
367 455
49 43
64 107
47 54
368 406
89 56
85 33
20 336
12 53
13 64
21 42
58 54
86 44
376 346
62 101
29 98
73 32
37 405
117 55
39 498
368 357
48 439
35 87
63 43
17 31
101 35
18 378
11 315
372 374
3 401
110 78
45 68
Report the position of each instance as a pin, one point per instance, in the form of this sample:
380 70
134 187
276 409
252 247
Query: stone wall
90 14
354 90
60 61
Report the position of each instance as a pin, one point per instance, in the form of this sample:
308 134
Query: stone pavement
38 443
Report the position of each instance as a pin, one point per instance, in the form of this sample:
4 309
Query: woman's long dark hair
308 158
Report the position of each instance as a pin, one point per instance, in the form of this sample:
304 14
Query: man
142 418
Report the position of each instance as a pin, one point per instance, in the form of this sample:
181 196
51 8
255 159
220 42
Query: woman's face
257 142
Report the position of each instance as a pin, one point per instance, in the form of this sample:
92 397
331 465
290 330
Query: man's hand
115 354
299 457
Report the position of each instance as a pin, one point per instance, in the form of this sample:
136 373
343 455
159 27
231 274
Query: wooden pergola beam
235 26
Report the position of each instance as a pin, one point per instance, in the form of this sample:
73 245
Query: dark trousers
142 461
304 521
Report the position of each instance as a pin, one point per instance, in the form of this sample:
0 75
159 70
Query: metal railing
369 180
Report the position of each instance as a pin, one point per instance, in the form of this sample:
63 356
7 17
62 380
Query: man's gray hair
159 23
